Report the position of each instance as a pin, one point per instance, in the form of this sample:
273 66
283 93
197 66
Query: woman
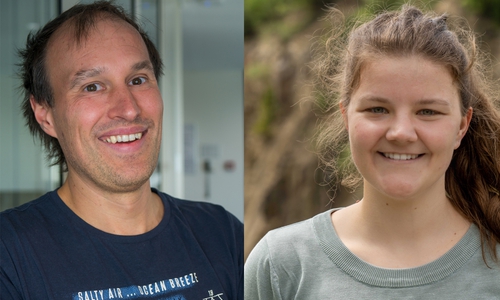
424 134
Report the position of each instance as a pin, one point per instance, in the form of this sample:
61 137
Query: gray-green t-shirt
307 260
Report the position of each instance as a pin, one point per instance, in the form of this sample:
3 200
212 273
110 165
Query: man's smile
124 138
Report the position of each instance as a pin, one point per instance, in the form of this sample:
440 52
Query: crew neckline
80 223
362 271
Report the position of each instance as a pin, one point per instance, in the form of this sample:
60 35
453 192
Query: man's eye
93 87
137 81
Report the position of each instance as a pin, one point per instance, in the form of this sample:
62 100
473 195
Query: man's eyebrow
146 64
81 75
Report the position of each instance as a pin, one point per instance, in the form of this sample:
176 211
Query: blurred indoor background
201 44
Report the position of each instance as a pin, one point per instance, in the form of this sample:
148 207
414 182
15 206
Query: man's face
107 109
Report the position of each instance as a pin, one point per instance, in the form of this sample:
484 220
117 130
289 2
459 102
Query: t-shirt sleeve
221 236
240 242
8 289
260 277
237 232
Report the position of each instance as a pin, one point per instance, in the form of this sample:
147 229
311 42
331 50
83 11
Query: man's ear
464 126
43 115
344 115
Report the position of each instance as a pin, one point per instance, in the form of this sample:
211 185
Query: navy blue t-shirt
48 252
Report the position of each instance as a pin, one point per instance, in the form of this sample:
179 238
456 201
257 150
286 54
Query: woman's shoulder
300 231
293 240
274 265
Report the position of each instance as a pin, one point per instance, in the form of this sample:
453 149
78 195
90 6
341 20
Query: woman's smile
404 123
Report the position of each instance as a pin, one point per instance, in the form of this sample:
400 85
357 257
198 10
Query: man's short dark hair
82 18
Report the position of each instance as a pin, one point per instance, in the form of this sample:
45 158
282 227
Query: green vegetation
257 71
374 7
486 8
267 113
261 12
267 108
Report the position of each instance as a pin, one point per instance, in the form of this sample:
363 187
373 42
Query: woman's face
404 123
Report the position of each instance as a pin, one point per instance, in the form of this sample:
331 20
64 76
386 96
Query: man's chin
125 185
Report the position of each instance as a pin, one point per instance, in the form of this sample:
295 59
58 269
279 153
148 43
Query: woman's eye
138 81
427 112
378 110
93 87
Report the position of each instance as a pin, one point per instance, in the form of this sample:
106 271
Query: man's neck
127 213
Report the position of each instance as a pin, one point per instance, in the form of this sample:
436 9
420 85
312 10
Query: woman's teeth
396 156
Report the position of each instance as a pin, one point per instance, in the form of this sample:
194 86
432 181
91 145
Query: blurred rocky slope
282 181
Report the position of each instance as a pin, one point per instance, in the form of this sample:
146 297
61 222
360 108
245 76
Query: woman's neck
400 233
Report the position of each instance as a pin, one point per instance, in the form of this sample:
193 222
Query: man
92 96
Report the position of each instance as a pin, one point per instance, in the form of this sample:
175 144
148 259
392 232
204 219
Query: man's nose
124 105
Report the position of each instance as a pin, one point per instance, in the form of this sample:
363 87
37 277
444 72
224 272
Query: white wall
213 46
213 106
17 150
22 163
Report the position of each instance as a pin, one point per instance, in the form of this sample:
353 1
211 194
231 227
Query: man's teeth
124 138
396 156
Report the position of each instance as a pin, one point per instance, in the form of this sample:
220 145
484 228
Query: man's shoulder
199 208
215 230
32 221
30 212
199 213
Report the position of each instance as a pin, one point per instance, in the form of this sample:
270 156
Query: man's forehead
68 60
74 34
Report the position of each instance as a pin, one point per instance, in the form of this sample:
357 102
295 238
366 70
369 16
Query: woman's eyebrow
434 102
382 100
371 98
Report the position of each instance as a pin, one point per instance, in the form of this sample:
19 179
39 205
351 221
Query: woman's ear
43 115
464 126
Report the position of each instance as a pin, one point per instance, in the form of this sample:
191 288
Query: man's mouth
113 139
399 156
